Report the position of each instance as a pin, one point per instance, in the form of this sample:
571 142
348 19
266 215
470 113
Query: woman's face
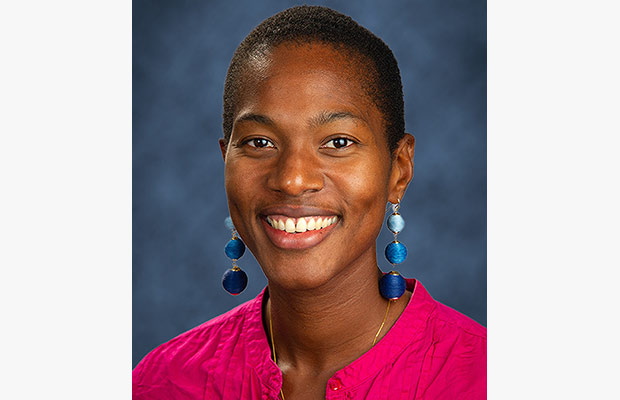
308 169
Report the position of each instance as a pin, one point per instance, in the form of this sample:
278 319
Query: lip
296 241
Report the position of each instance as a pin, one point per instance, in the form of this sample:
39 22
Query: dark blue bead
396 252
396 223
234 249
229 224
234 281
392 285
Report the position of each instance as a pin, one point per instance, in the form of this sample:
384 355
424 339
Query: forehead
314 55
308 75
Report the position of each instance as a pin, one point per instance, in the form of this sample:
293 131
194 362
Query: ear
402 168
223 147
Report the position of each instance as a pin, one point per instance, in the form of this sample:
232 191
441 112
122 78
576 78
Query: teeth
290 225
311 224
300 225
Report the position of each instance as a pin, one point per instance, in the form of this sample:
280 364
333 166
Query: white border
553 183
65 219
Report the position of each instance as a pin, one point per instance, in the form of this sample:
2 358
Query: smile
302 224
298 228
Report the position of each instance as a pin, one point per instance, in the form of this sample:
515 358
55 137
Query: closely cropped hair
306 24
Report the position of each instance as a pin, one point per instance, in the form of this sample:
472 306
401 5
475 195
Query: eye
338 143
259 143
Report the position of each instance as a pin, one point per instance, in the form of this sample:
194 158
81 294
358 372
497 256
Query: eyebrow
325 117
322 118
258 118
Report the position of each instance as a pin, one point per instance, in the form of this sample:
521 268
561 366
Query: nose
296 172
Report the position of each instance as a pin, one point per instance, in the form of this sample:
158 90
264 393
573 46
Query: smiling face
308 167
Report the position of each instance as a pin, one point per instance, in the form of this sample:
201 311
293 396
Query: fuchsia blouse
431 352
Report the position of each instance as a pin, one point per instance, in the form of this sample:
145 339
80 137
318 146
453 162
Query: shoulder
441 322
455 360
455 322
179 367
456 337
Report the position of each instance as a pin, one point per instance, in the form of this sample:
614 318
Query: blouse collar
407 329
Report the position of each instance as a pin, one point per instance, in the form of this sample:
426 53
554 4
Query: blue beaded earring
234 279
392 285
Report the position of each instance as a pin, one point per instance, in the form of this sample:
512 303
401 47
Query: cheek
368 178
233 182
242 186
364 189
243 176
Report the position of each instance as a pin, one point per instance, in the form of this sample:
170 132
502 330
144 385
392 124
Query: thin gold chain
382 323
273 348
273 343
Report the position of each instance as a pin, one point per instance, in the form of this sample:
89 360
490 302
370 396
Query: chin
296 274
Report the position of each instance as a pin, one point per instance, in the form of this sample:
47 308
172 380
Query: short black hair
306 24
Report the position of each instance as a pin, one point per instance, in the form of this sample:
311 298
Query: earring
234 279
392 285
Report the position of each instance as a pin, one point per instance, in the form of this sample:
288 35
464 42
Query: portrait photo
181 57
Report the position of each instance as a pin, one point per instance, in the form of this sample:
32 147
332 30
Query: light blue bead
234 281
234 249
396 223
392 285
229 224
396 252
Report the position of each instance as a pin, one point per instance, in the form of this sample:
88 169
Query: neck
326 328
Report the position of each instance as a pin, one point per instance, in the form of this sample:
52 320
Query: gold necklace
273 347
273 343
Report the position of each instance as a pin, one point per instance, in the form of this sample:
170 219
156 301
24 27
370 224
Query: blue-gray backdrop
181 50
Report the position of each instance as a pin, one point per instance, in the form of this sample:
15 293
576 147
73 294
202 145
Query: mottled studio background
181 50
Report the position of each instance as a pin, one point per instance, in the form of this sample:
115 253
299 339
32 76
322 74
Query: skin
307 140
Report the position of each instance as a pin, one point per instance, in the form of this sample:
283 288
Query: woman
314 148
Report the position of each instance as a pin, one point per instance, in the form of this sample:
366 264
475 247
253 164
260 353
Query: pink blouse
431 352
